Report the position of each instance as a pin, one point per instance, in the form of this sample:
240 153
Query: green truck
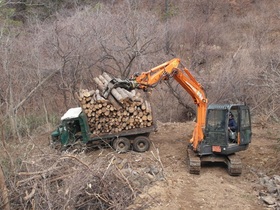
74 131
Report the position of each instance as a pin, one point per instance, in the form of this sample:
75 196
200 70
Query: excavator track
234 165
233 161
194 162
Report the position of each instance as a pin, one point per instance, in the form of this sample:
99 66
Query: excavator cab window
216 125
241 116
245 120
216 120
245 126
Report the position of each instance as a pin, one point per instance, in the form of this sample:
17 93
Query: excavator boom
165 71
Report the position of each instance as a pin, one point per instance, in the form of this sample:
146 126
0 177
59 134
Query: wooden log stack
123 110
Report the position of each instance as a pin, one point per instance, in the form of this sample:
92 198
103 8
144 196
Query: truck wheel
121 145
141 144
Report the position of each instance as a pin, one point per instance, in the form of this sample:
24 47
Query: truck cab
73 127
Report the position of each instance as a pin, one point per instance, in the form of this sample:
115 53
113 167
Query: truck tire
141 144
121 144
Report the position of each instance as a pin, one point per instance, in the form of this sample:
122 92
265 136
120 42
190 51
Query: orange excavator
213 140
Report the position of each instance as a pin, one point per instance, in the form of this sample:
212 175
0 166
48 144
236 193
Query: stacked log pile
122 110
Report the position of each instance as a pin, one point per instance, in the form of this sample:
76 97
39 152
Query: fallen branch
159 160
112 159
126 180
19 183
29 196
73 157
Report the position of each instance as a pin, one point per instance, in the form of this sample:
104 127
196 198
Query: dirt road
213 188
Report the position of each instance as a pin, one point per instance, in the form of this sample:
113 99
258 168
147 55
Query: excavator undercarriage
233 162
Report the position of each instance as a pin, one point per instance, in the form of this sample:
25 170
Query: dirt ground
213 188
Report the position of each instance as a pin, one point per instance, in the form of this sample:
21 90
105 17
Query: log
143 106
110 98
114 92
149 118
88 93
131 109
148 107
130 94
105 117
118 91
125 97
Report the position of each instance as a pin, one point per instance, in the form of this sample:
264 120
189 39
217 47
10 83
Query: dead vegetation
158 179
232 47
55 181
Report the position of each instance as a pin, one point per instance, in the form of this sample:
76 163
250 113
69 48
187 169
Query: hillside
159 178
50 50
231 47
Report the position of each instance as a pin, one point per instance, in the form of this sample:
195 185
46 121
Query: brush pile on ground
66 182
122 110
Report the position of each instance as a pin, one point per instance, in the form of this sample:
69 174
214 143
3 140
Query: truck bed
131 132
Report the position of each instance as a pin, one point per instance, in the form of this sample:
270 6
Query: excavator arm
165 71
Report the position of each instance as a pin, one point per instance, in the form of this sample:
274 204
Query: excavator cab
219 144
218 137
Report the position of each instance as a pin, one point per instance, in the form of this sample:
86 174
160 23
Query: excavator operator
231 123
232 128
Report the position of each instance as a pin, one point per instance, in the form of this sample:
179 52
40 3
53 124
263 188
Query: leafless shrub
53 181
122 38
